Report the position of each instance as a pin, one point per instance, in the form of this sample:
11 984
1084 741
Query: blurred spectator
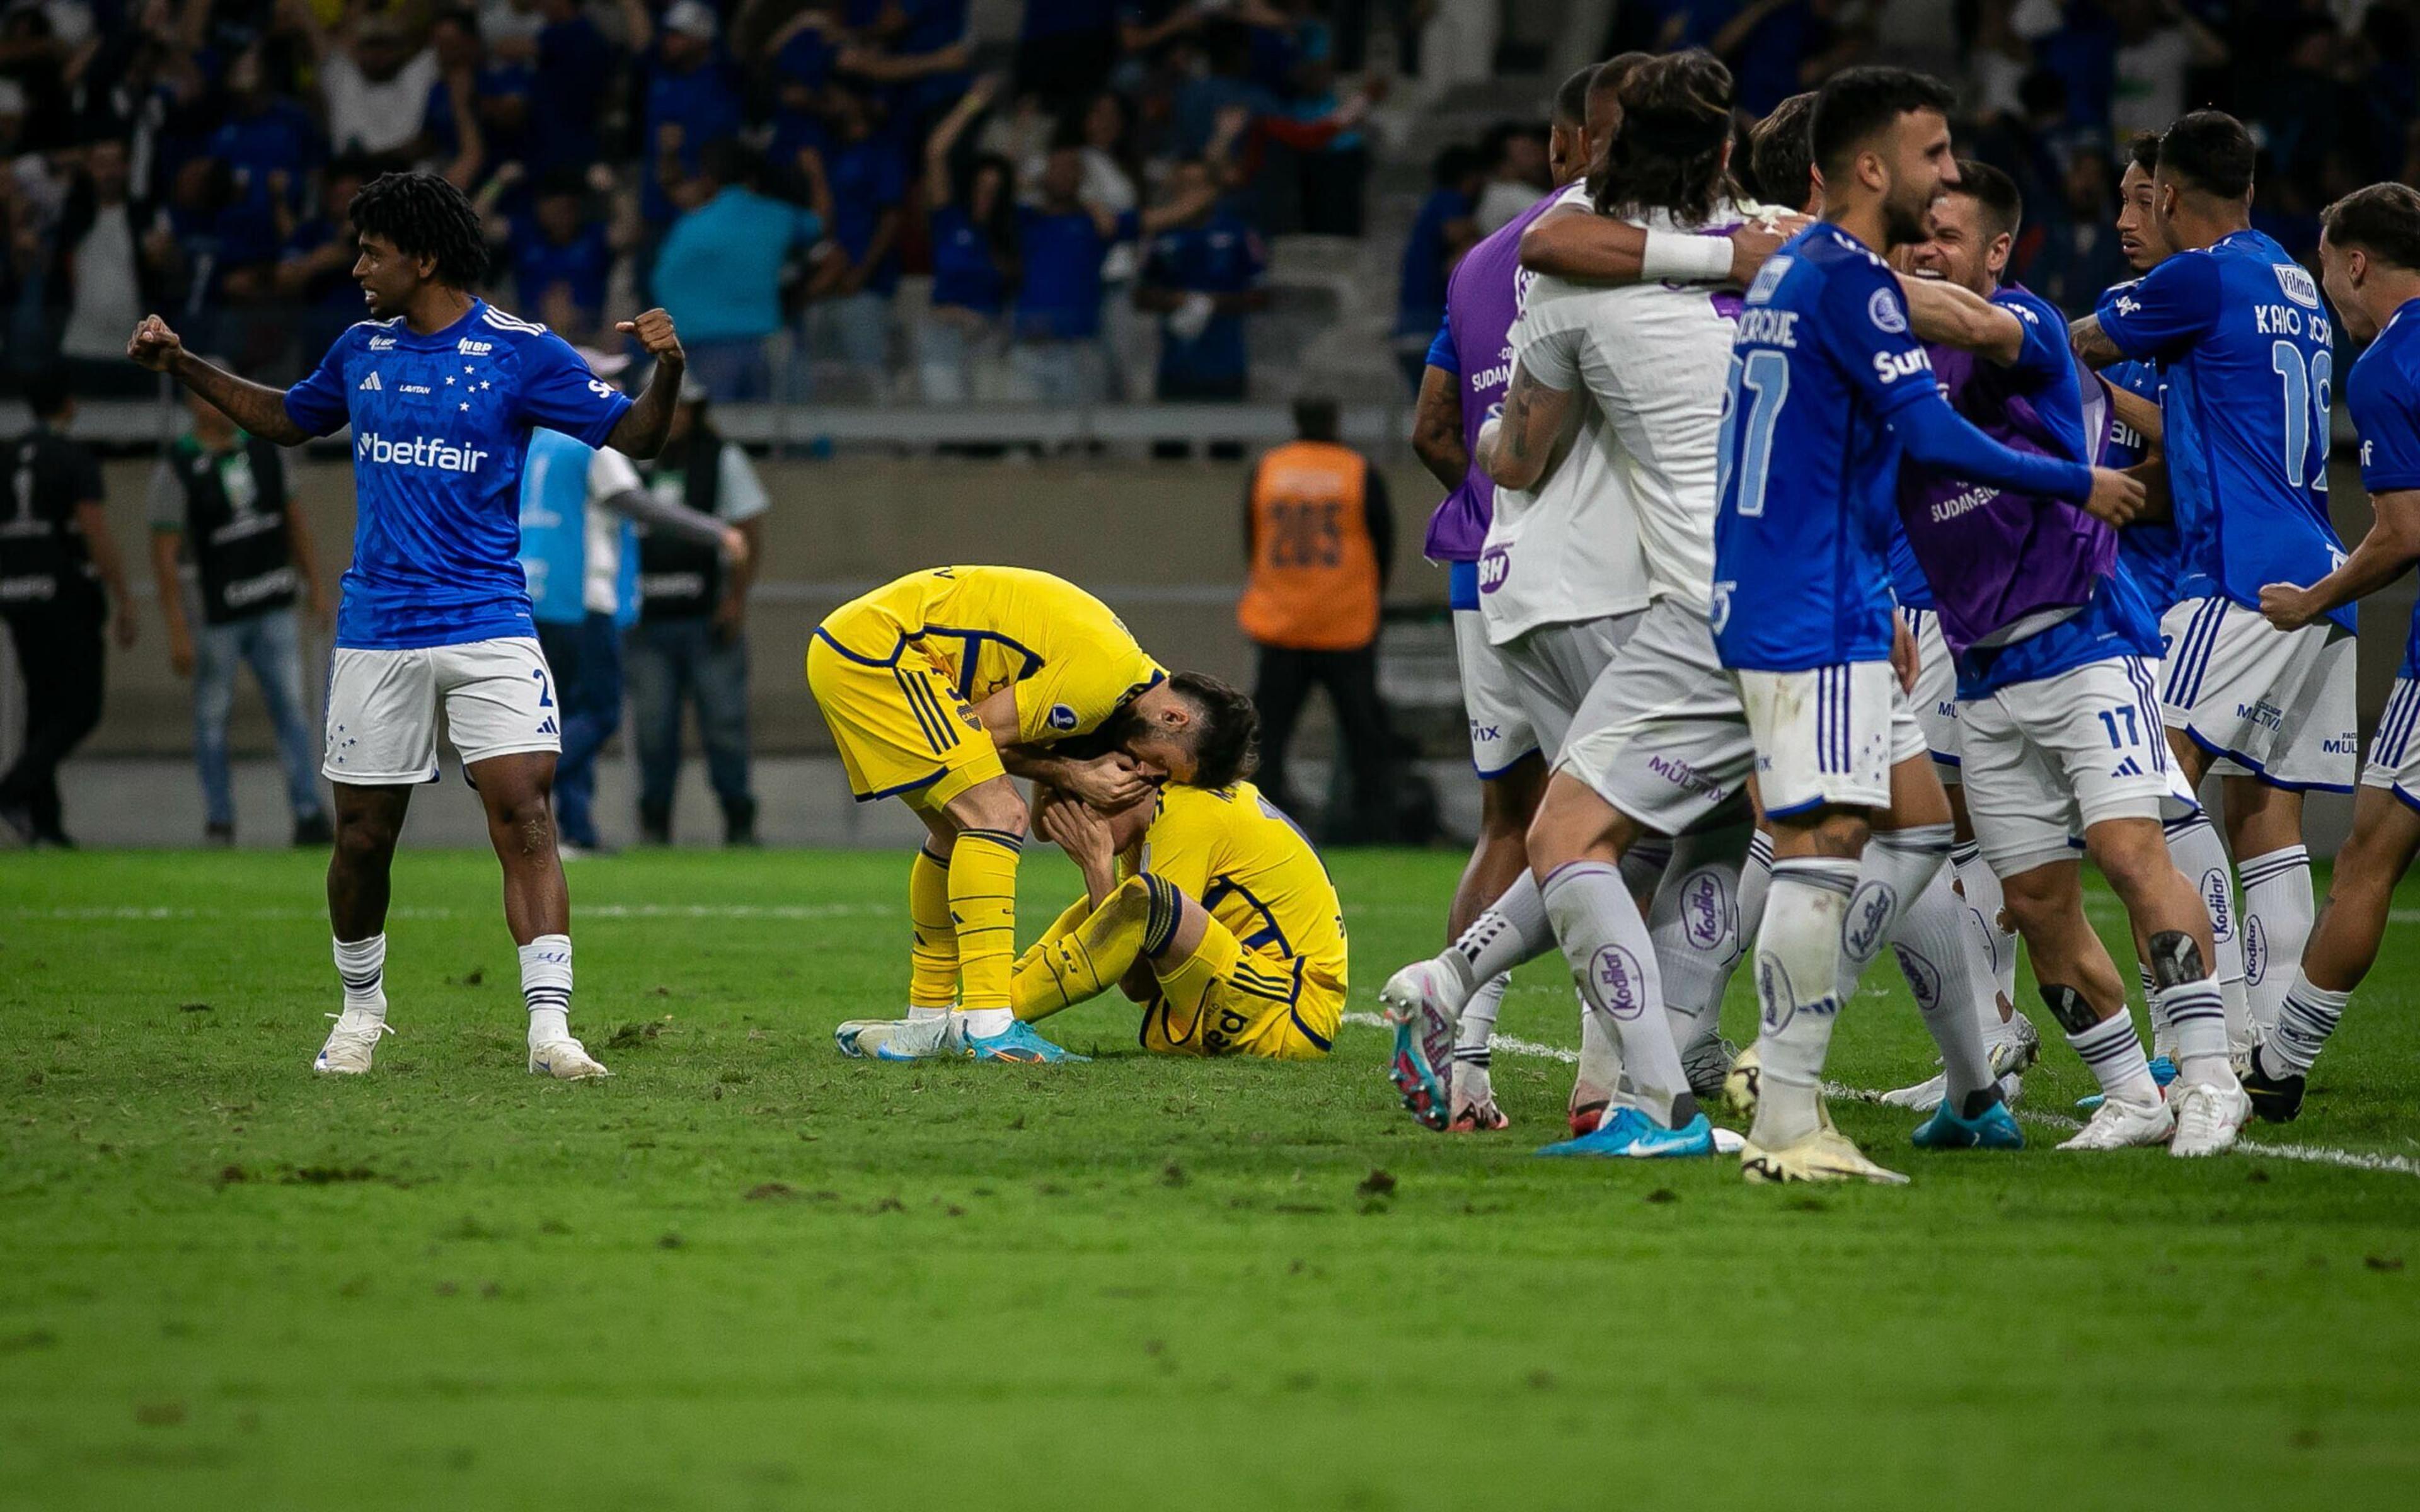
269 148
719 273
1517 175
1775 48
975 266
570 62
57 558
917 50
315 275
692 99
1202 274
374 83
851 289
1442 231
1330 177
489 93
2077 255
108 285
1319 539
1062 243
691 644
2158 43
218 508
560 248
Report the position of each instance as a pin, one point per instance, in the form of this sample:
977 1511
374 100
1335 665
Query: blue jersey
441 426
2242 338
1809 469
2384 391
2152 551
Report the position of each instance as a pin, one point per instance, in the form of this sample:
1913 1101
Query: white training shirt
1656 359
1567 551
609 473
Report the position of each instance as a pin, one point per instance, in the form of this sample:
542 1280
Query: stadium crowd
1092 222
759 167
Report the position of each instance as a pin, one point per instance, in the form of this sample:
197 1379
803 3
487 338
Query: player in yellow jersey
1208 907
940 686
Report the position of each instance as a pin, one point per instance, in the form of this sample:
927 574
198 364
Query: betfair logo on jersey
1892 366
474 349
419 452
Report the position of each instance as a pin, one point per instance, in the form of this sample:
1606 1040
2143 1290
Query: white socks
2196 1015
1476 1028
2201 855
1798 968
1945 966
2277 913
361 964
1695 928
1981 885
546 987
2304 1022
1613 961
2113 1054
1512 928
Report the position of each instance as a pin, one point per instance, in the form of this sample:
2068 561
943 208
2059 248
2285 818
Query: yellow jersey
1232 850
1072 662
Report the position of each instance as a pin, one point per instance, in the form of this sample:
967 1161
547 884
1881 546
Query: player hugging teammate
2093 641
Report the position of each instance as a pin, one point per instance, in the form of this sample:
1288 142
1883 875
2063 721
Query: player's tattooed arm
2387 552
255 406
2092 344
1437 428
641 429
1518 448
1952 315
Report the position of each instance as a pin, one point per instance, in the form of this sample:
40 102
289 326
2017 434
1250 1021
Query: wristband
1685 257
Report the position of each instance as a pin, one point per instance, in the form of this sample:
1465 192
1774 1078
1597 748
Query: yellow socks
1083 954
933 953
983 904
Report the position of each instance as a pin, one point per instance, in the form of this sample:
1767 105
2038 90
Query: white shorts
2052 758
1661 737
2394 754
2278 701
498 697
1936 696
1554 666
1828 735
1500 735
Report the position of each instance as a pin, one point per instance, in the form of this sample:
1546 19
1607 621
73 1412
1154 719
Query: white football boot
2122 1125
2209 1118
565 1060
350 1043
1423 990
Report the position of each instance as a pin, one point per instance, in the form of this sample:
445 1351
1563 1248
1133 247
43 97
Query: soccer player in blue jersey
2154 555
2055 647
1827 388
2369 259
442 393
2242 340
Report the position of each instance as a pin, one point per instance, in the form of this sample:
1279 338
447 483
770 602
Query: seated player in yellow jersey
1205 905
937 687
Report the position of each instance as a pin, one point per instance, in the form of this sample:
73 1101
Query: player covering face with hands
440 391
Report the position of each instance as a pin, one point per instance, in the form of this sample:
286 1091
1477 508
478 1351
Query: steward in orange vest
1319 539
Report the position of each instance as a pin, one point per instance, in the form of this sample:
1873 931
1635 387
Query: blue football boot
1995 1127
1018 1042
1630 1135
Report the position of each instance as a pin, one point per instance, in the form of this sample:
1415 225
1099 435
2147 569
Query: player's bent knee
990 804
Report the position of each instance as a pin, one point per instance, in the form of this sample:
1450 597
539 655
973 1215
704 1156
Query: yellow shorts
902 730
1226 1001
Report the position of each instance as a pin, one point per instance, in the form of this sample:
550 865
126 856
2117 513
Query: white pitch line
2351 1160
580 911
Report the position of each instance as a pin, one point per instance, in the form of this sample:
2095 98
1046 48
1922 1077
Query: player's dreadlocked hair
1676 119
1227 738
425 216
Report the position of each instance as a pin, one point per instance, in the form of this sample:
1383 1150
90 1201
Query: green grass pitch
748 1274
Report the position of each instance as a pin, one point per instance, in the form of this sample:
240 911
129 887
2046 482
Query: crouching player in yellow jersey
937 687
1208 907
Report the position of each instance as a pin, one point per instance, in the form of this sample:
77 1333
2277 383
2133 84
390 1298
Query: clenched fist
155 346
655 332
